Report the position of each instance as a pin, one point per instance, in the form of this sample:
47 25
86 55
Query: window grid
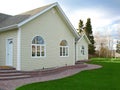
83 50
38 47
64 51
39 50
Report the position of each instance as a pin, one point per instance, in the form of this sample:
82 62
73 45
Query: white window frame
82 50
40 50
41 45
66 54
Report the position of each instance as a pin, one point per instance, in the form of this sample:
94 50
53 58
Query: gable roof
84 36
17 21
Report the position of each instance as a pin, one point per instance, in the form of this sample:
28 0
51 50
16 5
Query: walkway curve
13 84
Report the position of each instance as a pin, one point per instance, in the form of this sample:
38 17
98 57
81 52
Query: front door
9 53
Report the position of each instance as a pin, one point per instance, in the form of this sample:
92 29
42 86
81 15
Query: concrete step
11 74
81 61
14 77
80 66
9 71
14 74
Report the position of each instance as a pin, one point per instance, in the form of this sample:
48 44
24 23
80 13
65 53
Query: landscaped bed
106 78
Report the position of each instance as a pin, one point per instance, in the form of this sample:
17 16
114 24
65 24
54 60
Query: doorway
9 52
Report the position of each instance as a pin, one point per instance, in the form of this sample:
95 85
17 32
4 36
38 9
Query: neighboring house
40 38
117 55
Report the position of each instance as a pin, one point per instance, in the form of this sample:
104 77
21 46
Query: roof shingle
8 20
3 16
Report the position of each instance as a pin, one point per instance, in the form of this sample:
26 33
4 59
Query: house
117 55
40 38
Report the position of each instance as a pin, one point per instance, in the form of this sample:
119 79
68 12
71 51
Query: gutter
9 28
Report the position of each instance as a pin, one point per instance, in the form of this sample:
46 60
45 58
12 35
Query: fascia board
8 28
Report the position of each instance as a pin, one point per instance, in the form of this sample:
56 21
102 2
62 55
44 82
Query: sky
104 14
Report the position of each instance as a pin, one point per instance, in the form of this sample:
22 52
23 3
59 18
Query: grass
106 78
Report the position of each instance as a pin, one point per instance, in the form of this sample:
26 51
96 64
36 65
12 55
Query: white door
9 52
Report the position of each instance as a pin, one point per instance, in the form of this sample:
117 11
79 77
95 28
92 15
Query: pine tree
88 31
80 26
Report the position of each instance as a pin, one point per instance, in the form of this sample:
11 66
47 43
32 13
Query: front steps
8 73
13 74
81 62
14 77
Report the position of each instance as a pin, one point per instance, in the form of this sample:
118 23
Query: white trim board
88 41
8 28
19 49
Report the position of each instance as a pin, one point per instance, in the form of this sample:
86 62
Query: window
83 50
38 47
64 48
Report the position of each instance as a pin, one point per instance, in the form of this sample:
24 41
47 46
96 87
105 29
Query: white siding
53 30
81 43
3 37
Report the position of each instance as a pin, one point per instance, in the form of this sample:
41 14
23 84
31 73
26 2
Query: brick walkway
12 84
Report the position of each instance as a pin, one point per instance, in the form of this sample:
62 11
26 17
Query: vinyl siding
53 30
3 39
81 43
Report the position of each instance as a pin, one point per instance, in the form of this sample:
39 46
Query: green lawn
106 78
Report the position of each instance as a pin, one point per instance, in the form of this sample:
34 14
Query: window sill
39 57
64 56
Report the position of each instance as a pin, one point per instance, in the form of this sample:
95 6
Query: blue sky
103 13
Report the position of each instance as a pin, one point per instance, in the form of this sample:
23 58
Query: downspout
75 51
76 40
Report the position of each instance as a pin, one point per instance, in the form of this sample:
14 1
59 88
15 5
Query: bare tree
104 44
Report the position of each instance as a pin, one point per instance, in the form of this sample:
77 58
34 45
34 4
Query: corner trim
19 49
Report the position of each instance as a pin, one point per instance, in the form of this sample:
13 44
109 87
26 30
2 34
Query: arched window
64 49
83 50
38 47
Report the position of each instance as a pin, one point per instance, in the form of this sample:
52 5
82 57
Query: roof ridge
36 10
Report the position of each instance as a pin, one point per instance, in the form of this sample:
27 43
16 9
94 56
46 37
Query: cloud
115 30
109 9
103 13
96 16
112 30
17 6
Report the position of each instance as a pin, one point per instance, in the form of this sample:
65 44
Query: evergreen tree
118 47
88 31
80 26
